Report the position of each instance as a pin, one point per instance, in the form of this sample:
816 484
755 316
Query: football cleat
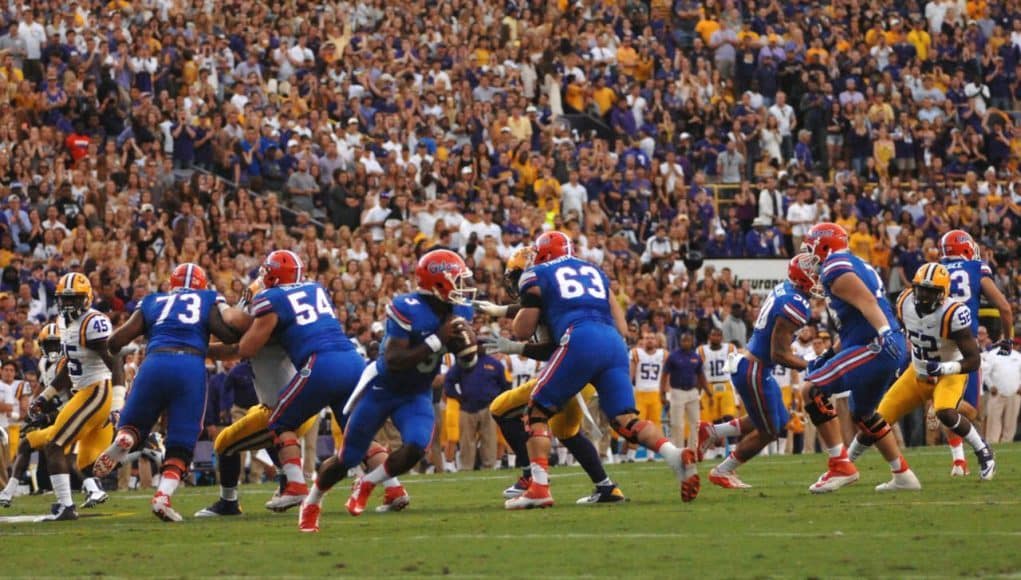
726 480
61 513
706 438
5 499
308 518
841 473
603 494
293 495
360 493
959 468
111 458
395 500
95 498
161 508
520 486
987 464
690 484
222 507
903 481
536 496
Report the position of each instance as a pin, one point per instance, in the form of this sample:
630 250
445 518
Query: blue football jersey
573 291
852 327
306 323
408 316
178 319
966 283
785 301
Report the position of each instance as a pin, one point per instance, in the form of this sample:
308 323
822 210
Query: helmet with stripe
444 274
803 272
552 245
49 342
519 261
824 239
74 294
931 286
958 244
281 267
188 275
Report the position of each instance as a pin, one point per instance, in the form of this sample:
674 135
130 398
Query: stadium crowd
138 134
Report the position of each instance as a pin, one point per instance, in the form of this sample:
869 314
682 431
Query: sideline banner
762 274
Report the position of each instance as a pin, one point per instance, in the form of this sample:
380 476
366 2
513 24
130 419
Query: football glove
499 344
892 344
494 310
933 368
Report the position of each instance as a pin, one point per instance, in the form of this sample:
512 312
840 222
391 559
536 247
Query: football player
171 378
718 401
943 352
571 297
970 279
49 341
783 312
89 416
647 363
872 350
300 313
398 385
509 407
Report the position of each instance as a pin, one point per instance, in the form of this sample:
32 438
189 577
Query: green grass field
457 527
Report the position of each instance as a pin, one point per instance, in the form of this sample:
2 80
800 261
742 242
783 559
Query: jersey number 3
572 287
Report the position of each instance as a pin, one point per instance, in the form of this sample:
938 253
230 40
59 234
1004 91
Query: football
462 342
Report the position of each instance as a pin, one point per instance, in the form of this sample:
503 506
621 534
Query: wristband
119 393
883 330
950 368
434 343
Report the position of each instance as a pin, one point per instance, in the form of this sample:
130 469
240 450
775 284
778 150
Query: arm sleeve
98 327
451 381
398 323
528 280
797 311
261 306
834 268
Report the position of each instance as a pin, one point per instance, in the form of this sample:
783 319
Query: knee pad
537 421
631 430
374 450
819 407
874 427
950 418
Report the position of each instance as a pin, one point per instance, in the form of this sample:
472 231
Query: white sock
857 449
605 483
898 465
957 451
12 487
293 473
973 439
632 453
377 475
539 474
672 455
836 451
731 428
781 446
62 488
315 495
229 493
729 464
91 485
168 483
392 482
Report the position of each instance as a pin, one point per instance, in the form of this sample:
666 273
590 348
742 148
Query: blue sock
585 452
513 430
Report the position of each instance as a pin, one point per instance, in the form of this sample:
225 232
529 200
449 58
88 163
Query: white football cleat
95 498
395 500
727 480
960 468
293 495
903 481
841 473
161 508
537 496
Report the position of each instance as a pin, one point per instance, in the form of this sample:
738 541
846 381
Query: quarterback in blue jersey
171 379
970 279
783 312
420 327
872 351
570 296
299 315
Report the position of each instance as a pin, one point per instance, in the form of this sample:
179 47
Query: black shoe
62 513
604 494
986 462
222 507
